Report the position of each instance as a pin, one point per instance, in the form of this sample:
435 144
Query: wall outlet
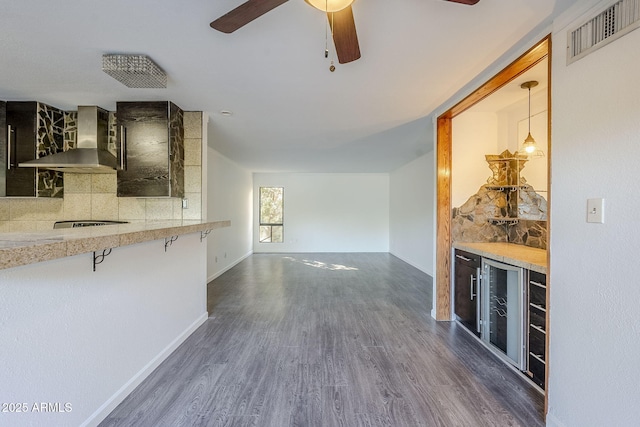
185 203
595 211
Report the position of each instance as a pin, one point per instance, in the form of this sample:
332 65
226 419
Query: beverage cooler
503 302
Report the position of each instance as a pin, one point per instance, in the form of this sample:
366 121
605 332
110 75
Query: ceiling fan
339 13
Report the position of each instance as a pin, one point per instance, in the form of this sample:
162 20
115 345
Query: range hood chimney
91 155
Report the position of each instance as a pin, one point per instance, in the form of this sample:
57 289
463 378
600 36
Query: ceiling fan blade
469 2
243 14
345 38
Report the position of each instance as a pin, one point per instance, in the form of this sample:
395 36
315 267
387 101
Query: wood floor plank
328 340
336 406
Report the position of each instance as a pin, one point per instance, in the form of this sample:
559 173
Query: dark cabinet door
537 327
147 145
466 289
3 149
21 119
36 130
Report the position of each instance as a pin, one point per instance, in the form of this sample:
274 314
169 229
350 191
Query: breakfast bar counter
18 249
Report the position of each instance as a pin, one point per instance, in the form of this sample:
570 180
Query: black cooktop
85 223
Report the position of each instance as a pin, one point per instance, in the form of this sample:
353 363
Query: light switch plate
185 203
595 210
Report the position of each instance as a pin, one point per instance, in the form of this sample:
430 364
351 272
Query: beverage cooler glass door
503 311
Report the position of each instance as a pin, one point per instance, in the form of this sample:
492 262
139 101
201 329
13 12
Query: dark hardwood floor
328 340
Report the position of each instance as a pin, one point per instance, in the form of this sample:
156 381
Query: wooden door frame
533 56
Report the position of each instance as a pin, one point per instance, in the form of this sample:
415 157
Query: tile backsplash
93 196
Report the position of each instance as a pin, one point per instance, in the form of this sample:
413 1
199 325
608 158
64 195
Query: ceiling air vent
620 18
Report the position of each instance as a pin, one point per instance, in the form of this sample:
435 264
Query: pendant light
529 146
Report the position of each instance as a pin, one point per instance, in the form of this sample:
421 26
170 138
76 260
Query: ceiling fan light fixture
330 5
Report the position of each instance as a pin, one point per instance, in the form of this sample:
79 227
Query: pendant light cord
529 110
332 68
326 34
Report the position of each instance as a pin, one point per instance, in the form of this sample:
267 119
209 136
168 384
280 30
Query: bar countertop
27 248
510 253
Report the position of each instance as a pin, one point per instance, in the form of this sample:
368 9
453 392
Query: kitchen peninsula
25 248
81 340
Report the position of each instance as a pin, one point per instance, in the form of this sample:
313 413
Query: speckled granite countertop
518 255
26 248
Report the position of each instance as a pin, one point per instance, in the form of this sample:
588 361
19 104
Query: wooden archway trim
443 166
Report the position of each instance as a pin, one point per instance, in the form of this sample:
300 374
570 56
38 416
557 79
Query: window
271 214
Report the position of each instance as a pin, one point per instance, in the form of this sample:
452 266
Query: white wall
412 213
230 193
595 327
475 134
513 127
328 212
71 335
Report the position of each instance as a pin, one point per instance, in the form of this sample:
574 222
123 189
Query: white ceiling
290 113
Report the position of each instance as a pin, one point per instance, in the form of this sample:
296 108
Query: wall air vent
620 18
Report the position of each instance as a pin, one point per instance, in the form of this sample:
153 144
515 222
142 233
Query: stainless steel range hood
91 155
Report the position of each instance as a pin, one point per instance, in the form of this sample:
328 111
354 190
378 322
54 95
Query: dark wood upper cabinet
151 149
32 130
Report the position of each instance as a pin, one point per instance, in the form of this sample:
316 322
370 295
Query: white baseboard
229 267
107 407
433 310
411 263
552 421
